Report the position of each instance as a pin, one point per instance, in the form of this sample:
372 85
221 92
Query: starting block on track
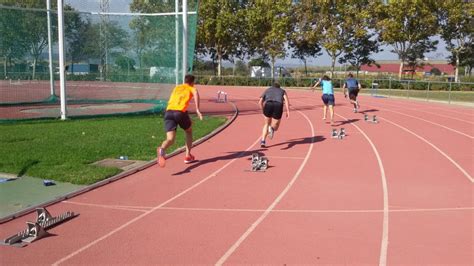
373 120
221 97
37 230
259 163
338 135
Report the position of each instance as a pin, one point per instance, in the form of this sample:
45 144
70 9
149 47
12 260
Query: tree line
349 31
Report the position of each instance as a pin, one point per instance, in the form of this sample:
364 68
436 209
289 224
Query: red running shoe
161 157
189 159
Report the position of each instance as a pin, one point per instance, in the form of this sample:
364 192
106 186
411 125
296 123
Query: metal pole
50 49
62 68
185 37
450 87
408 90
176 9
428 91
390 86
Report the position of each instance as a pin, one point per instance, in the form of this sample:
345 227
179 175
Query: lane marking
466 174
320 211
432 113
436 124
121 207
72 254
285 157
234 247
384 242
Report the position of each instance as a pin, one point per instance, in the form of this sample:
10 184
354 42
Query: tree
154 36
333 24
268 23
302 39
457 28
405 24
12 41
218 30
362 41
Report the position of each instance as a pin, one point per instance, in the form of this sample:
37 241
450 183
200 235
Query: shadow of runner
240 154
230 156
293 142
343 122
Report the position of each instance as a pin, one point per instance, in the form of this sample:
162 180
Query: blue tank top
352 83
327 87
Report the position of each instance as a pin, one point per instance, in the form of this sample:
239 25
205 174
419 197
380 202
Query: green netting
110 57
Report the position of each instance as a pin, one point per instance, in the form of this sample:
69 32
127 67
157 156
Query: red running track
393 193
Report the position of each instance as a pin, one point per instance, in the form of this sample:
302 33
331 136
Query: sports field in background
65 150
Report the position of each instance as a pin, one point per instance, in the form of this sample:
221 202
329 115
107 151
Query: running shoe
271 131
189 159
161 157
262 144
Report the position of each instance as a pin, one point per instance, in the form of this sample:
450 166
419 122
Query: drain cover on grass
122 164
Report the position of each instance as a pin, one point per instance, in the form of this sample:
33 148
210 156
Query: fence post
408 90
427 91
389 86
449 97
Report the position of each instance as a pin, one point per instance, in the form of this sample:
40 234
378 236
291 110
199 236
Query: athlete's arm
315 85
287 105
260 103
344 90
197 102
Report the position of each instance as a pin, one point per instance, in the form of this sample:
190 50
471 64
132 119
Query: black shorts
174 118
273 109
328 99
353 93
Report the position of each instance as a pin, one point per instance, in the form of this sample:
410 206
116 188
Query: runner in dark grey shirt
271 102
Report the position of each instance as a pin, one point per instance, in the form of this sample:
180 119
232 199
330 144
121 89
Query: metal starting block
37 230
259 163
221 97
373 120
338 135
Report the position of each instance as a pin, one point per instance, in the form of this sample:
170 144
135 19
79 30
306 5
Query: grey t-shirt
273 94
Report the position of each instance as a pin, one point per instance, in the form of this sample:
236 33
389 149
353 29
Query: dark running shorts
174 118
353 93
328 99
273 109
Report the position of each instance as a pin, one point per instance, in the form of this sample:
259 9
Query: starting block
221 97
338 135
37 230
373 120
259 163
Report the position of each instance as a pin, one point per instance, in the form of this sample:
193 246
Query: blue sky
123 6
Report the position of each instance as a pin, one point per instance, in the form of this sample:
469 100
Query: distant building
389 66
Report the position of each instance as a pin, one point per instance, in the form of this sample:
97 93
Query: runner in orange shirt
177 114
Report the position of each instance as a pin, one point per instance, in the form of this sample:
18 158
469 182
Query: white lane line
121 207
234 247
436 124
150 211
286 157
384 242
466 174
321 211
431 113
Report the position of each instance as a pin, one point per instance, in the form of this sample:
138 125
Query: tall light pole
104 21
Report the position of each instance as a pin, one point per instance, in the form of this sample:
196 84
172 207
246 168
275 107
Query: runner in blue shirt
327 97
353 86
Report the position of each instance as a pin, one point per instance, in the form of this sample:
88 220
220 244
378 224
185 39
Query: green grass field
64 150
